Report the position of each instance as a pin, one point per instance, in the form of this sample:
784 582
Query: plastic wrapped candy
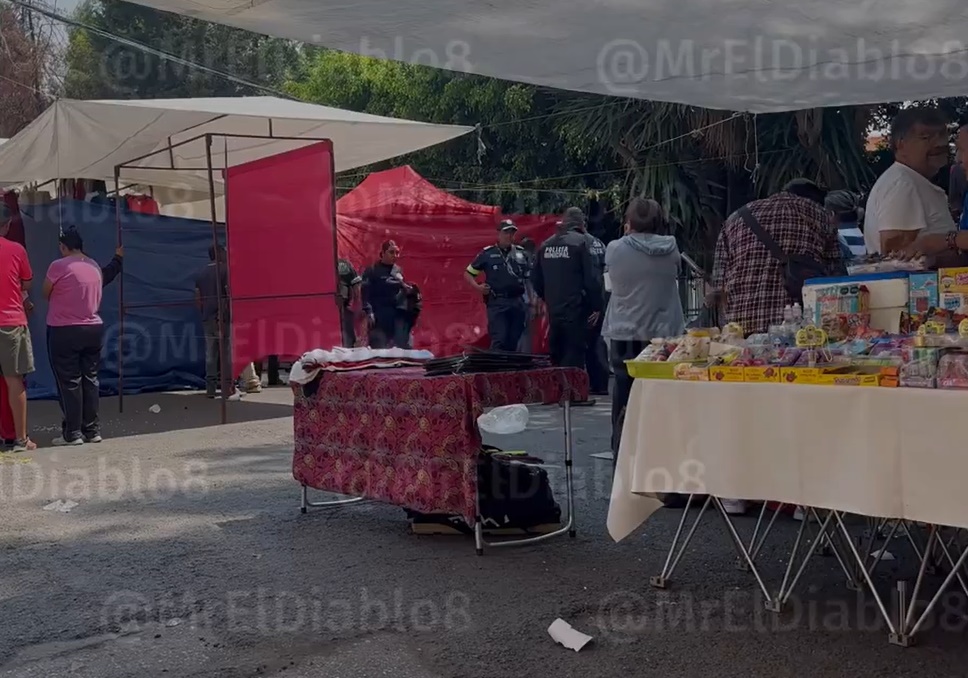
953 370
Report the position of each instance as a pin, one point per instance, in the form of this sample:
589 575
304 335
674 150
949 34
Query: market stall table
885 452
400 437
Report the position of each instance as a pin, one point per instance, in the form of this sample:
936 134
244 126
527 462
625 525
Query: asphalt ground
186 555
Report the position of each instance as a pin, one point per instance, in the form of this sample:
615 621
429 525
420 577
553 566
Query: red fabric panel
282 258
142 203
439 234
16 232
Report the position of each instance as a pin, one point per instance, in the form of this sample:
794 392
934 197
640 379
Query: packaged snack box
923 292
953 280
800 375
761 374
724 373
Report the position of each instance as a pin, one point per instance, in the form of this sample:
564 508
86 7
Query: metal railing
694 282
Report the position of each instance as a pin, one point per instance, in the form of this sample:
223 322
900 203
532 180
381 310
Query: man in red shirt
16 351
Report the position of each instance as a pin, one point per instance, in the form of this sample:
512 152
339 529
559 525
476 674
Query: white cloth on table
887 452
312 363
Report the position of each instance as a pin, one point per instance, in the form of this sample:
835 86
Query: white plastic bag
504 420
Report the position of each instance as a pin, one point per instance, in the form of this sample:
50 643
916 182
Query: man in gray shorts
16 351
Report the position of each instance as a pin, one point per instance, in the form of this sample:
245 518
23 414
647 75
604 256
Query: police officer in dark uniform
348 291
385 294
568 278
506 269
596 354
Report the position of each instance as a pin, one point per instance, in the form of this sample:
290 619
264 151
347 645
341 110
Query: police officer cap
507 225
573 219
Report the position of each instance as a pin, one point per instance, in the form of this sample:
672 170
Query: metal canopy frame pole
222 368
120 342
210 175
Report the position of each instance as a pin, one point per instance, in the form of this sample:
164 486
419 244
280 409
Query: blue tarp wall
163 340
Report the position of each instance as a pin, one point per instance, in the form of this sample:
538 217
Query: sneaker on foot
59 441
254 388
734 507
93 439
25 445
236 396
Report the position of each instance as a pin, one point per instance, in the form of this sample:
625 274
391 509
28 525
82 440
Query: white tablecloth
888 452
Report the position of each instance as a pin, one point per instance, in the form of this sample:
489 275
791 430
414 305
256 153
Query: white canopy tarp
87 139
745 55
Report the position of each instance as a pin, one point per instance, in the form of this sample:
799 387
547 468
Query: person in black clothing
349 291
211 284
505 268
568 278
75 335
531 302
596 353
387 300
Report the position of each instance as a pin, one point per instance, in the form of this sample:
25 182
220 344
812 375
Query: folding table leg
569 527
738 543
755 546
305 504
661 581
863 570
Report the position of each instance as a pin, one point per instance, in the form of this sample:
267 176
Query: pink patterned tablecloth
400 437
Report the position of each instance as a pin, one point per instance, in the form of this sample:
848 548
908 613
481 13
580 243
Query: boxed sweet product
690 372
841 300
953 290
850 376
726 373
953 280
953 369
800 375
922 292
761 374
920 367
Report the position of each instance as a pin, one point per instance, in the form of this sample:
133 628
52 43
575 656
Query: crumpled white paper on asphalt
563 633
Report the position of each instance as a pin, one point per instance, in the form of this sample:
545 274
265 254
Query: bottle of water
789 330
798 318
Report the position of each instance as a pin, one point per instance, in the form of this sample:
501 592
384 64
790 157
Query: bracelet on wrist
951 240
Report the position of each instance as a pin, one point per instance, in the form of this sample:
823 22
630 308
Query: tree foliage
518 158
101 67
24 54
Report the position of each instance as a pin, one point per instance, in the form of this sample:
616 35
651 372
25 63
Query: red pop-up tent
439 234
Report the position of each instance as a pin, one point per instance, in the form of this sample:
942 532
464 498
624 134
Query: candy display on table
953 290
953 369
794 352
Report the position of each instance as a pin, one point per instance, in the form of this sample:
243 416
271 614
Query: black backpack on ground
511 495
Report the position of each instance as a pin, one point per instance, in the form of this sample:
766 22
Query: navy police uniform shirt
597 248
567 275
505 271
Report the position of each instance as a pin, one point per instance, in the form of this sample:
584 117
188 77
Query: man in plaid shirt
745 272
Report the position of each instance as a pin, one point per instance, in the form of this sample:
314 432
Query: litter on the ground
564 634
882 554
155 409
61 506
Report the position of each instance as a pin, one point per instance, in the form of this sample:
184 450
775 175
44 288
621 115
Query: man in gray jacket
642 270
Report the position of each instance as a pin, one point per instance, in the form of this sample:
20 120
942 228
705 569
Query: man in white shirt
903 202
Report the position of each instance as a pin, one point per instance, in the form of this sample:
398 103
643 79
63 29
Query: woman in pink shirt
75 332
